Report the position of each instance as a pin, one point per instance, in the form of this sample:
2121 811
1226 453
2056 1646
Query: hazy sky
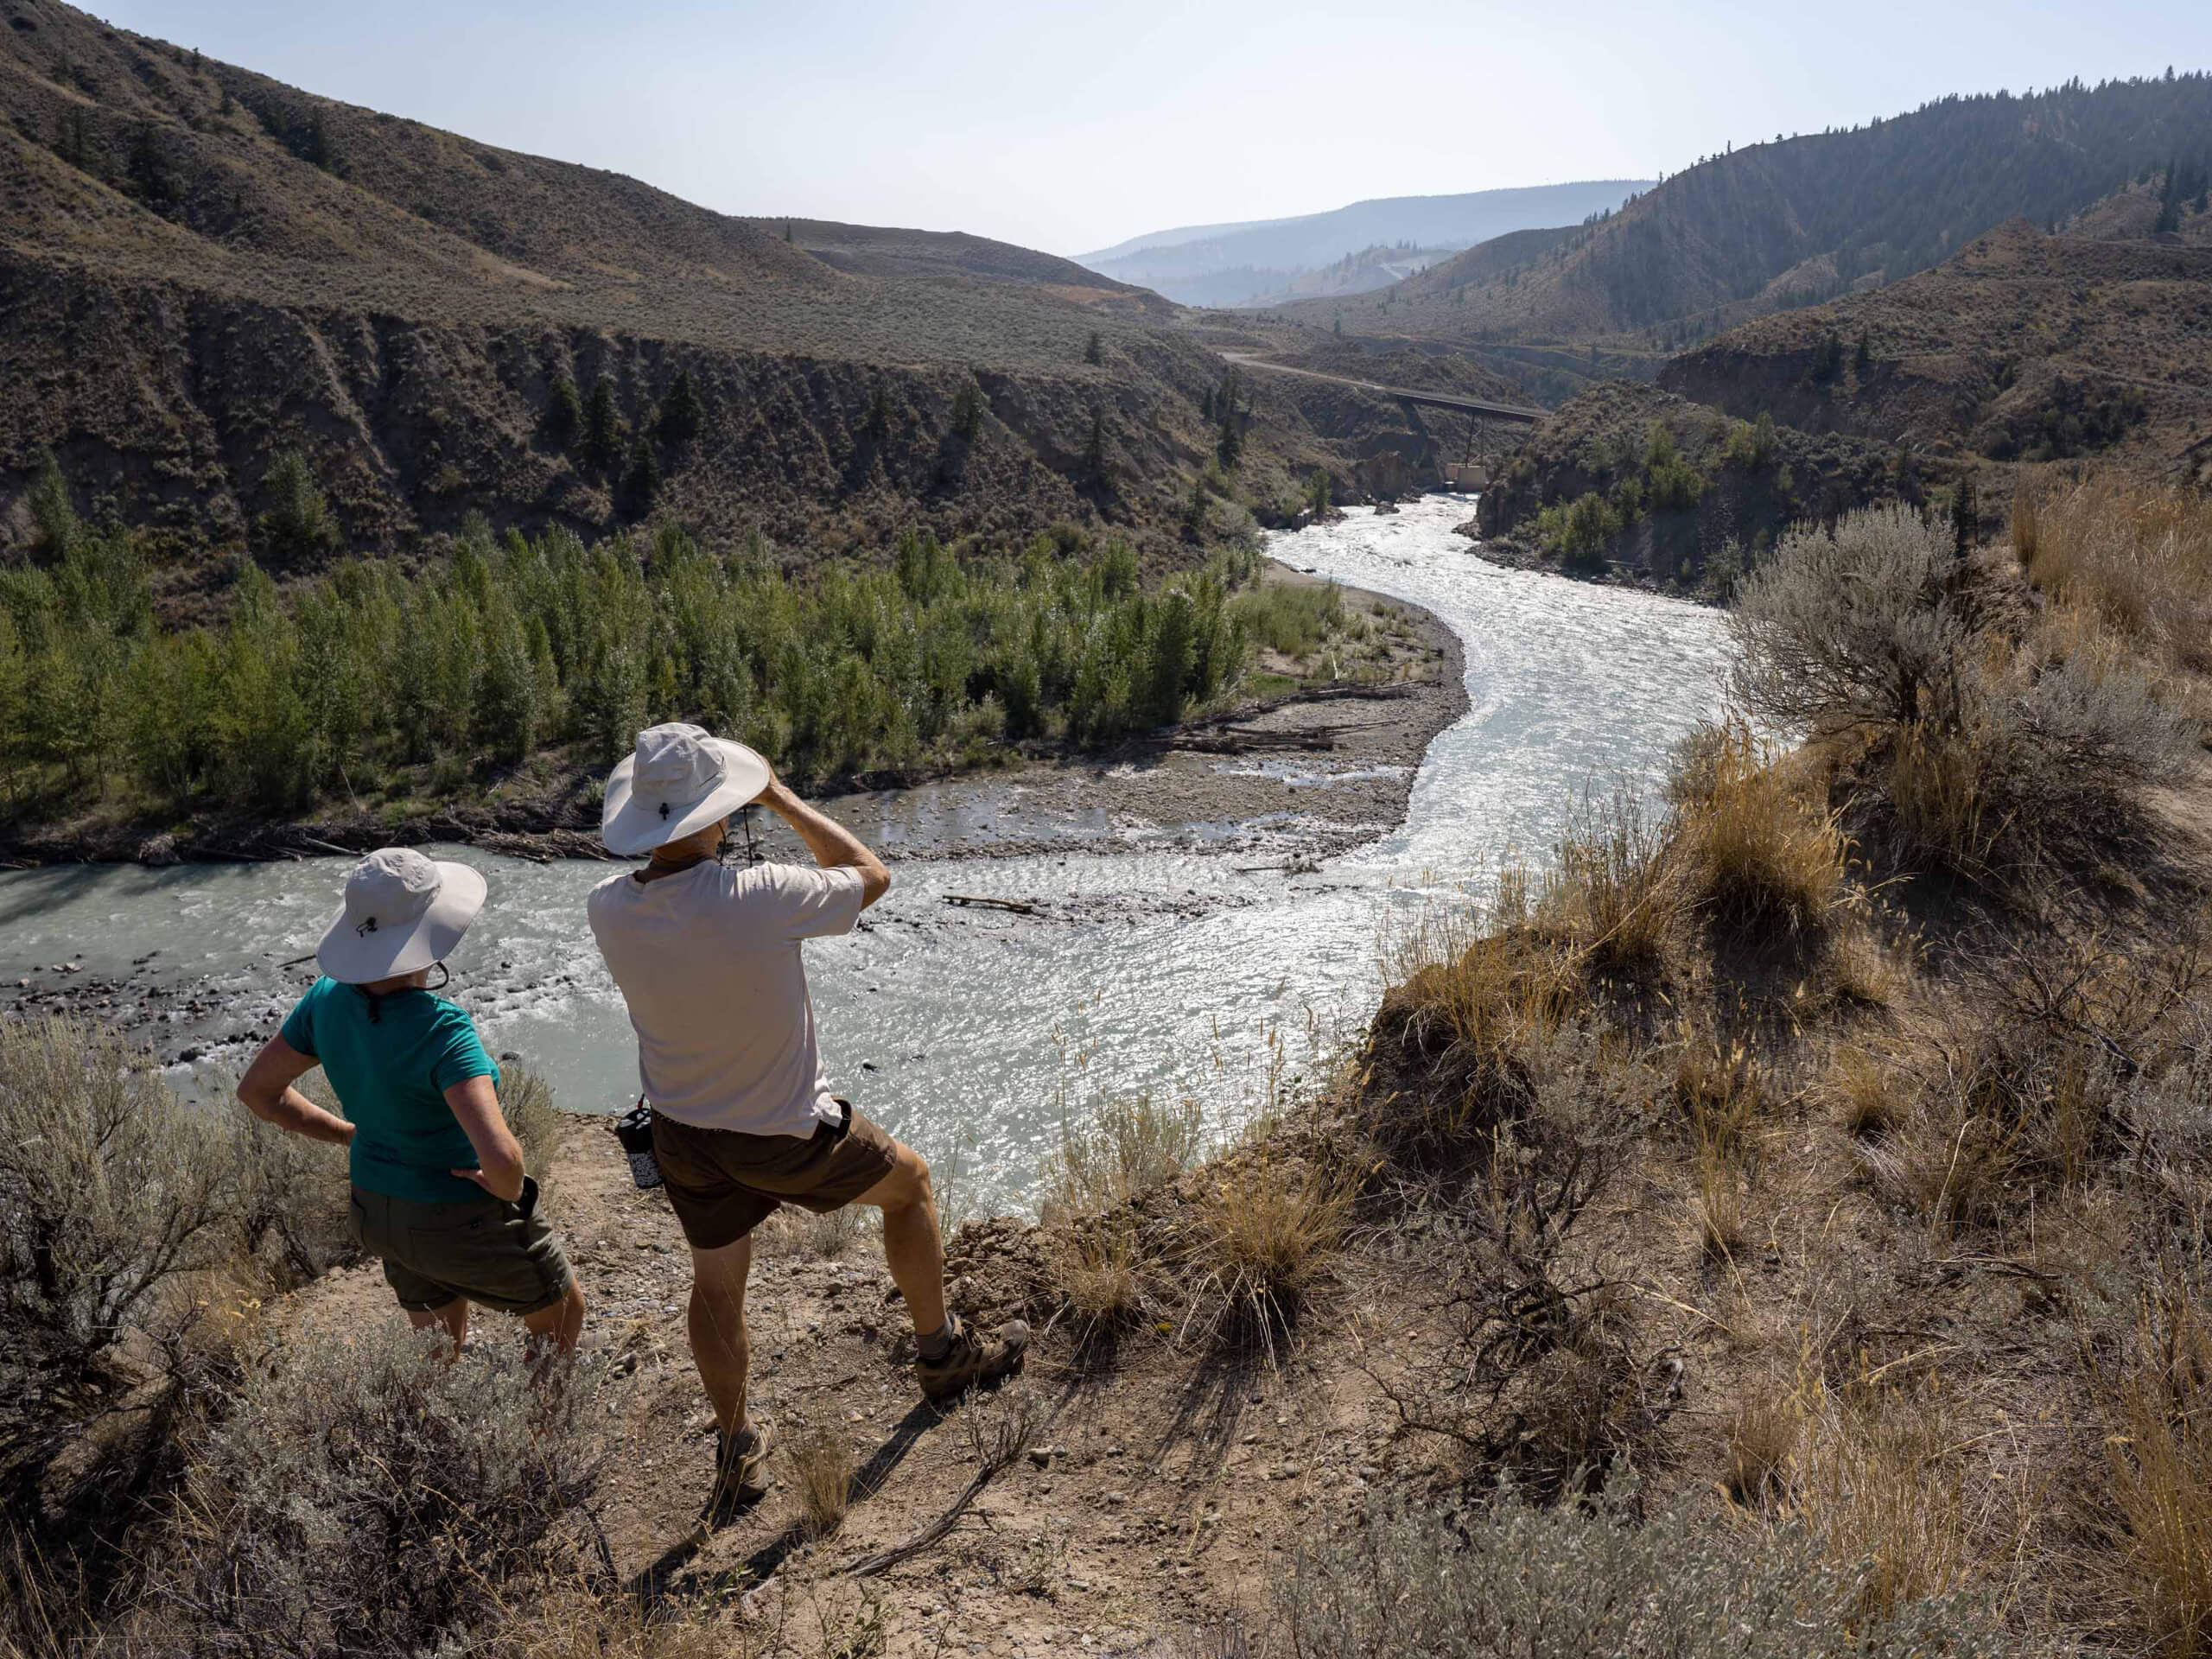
1069 128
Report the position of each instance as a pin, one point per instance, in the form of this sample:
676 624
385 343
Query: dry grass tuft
1762 1438
1130 1145
565 1620
1871 1098
1942 786
1861 971
1095 1266
821 1463
1759 849
1615 884
830 1235
526 1102
1719 1205
1272 1230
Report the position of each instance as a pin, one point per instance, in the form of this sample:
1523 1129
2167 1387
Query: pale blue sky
1069 129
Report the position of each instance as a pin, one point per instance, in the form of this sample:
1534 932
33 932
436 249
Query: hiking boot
741 1470
971 1359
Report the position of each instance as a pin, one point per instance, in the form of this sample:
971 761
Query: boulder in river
158 850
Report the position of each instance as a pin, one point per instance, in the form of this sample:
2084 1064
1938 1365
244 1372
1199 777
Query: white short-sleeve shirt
708 963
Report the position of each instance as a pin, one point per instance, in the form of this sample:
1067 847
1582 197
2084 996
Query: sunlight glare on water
966 1030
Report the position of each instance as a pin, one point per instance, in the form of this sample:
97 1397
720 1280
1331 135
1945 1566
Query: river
970 1032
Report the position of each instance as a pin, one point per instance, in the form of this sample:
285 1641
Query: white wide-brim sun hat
402 912
679 780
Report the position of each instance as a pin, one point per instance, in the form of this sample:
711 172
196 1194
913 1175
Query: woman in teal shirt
439 1192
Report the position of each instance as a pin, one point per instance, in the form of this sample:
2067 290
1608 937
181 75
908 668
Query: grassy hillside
202 269
2023 347
1798 221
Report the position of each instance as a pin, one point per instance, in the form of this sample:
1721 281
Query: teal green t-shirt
390 1076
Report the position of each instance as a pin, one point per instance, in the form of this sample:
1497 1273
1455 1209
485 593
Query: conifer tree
1093 352
51 517
1094 450
296 526
680 412
967 412
563 416
1173 645
317 147
603 429
2170 203
641 481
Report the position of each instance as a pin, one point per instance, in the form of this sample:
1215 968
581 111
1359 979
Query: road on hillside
1430 399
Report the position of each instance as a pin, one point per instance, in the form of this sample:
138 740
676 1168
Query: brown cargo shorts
723 1184
500 1255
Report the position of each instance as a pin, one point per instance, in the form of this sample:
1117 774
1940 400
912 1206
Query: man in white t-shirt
708 960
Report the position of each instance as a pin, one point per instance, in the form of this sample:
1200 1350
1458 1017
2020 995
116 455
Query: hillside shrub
1860 628
371 1493
110 1188
1567 1582
296 527
1578 533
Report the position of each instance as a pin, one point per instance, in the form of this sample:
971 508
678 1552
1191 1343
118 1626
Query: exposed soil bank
1346 756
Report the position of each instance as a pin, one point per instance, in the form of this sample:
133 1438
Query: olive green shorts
722 1183
499 1255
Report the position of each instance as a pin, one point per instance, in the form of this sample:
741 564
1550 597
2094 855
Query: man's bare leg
717 1321
912 1247
453 1316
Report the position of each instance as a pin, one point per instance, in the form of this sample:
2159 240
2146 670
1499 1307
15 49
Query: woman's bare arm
475 1105
267 1091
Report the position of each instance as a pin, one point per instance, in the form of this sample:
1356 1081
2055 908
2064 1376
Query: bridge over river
1404 394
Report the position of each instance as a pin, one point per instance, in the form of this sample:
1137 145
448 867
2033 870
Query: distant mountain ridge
1799 220
1244 264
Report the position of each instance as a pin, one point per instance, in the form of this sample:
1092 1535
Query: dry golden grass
1941 785
1615 883
1870 1096
1095 1269
573 1622
1272 1231
1130 1145
1876 1477
830 1235
1723 1092
1861 971
1762 1435
2159 1456
821 1464
526 1102
1758 847
2138 555
1719 1204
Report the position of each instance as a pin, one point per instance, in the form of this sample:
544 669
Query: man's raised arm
834 845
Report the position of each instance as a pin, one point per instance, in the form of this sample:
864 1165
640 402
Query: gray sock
937 1345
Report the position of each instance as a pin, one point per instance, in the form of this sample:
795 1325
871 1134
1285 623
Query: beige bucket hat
402 912
680 778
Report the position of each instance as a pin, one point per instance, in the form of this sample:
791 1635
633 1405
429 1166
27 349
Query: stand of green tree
375 677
